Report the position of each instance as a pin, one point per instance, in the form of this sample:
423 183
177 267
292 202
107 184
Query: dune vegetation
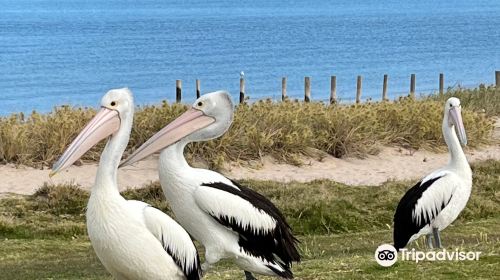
44 236
283 130
485 99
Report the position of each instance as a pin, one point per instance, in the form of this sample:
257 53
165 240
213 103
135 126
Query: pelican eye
451 105
113 103
200 104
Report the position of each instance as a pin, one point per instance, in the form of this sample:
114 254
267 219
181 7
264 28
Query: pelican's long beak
455 118
105 123
192 120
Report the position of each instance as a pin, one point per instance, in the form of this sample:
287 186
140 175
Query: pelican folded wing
262 229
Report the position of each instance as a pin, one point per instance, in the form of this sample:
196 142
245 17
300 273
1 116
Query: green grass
283 130
319 207
344 256
43 236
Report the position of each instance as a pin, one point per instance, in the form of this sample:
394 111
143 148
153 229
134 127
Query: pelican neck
172 158
457 158
106 177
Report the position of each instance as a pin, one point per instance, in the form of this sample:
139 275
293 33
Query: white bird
132 239
242 75
230 220
436 201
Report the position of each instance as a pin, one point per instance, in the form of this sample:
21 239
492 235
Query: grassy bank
319 207
283 130
325 257
43 235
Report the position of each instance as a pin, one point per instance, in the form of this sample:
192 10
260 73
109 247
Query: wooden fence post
283 89
242 90
307 89
358 90
412 86
198 92
333 89
497 79
178 91
384 88
441 84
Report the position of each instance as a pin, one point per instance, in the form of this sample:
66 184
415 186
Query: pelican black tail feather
285 274
405 226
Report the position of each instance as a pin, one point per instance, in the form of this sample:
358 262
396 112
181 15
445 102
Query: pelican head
209 117
117 110
453 118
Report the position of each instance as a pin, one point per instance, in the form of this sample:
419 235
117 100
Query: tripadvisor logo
386 255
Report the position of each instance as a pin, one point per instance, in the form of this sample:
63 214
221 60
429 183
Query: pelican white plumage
132 239
230 220
436 201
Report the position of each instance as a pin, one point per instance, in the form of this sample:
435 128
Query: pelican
132 239
437 200
230 220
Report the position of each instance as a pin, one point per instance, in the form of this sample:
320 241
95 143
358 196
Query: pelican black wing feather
278 245
405 225
191 274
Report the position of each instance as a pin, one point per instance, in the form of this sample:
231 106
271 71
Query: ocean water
72 52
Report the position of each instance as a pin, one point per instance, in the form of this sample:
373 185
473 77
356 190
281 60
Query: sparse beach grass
485 99
284 130
44 236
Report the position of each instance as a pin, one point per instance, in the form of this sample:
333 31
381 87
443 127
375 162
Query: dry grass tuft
60 199
41 139
484 99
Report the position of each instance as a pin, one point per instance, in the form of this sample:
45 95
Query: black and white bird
132 239
230 220
436 201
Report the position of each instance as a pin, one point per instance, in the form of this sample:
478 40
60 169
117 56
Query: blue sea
73 51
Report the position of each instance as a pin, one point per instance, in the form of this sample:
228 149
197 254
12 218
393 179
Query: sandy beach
392 163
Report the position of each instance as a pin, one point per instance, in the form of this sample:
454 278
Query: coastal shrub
283 130
60 199
483 99
40 138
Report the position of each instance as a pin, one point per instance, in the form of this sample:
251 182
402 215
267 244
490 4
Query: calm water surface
60 52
